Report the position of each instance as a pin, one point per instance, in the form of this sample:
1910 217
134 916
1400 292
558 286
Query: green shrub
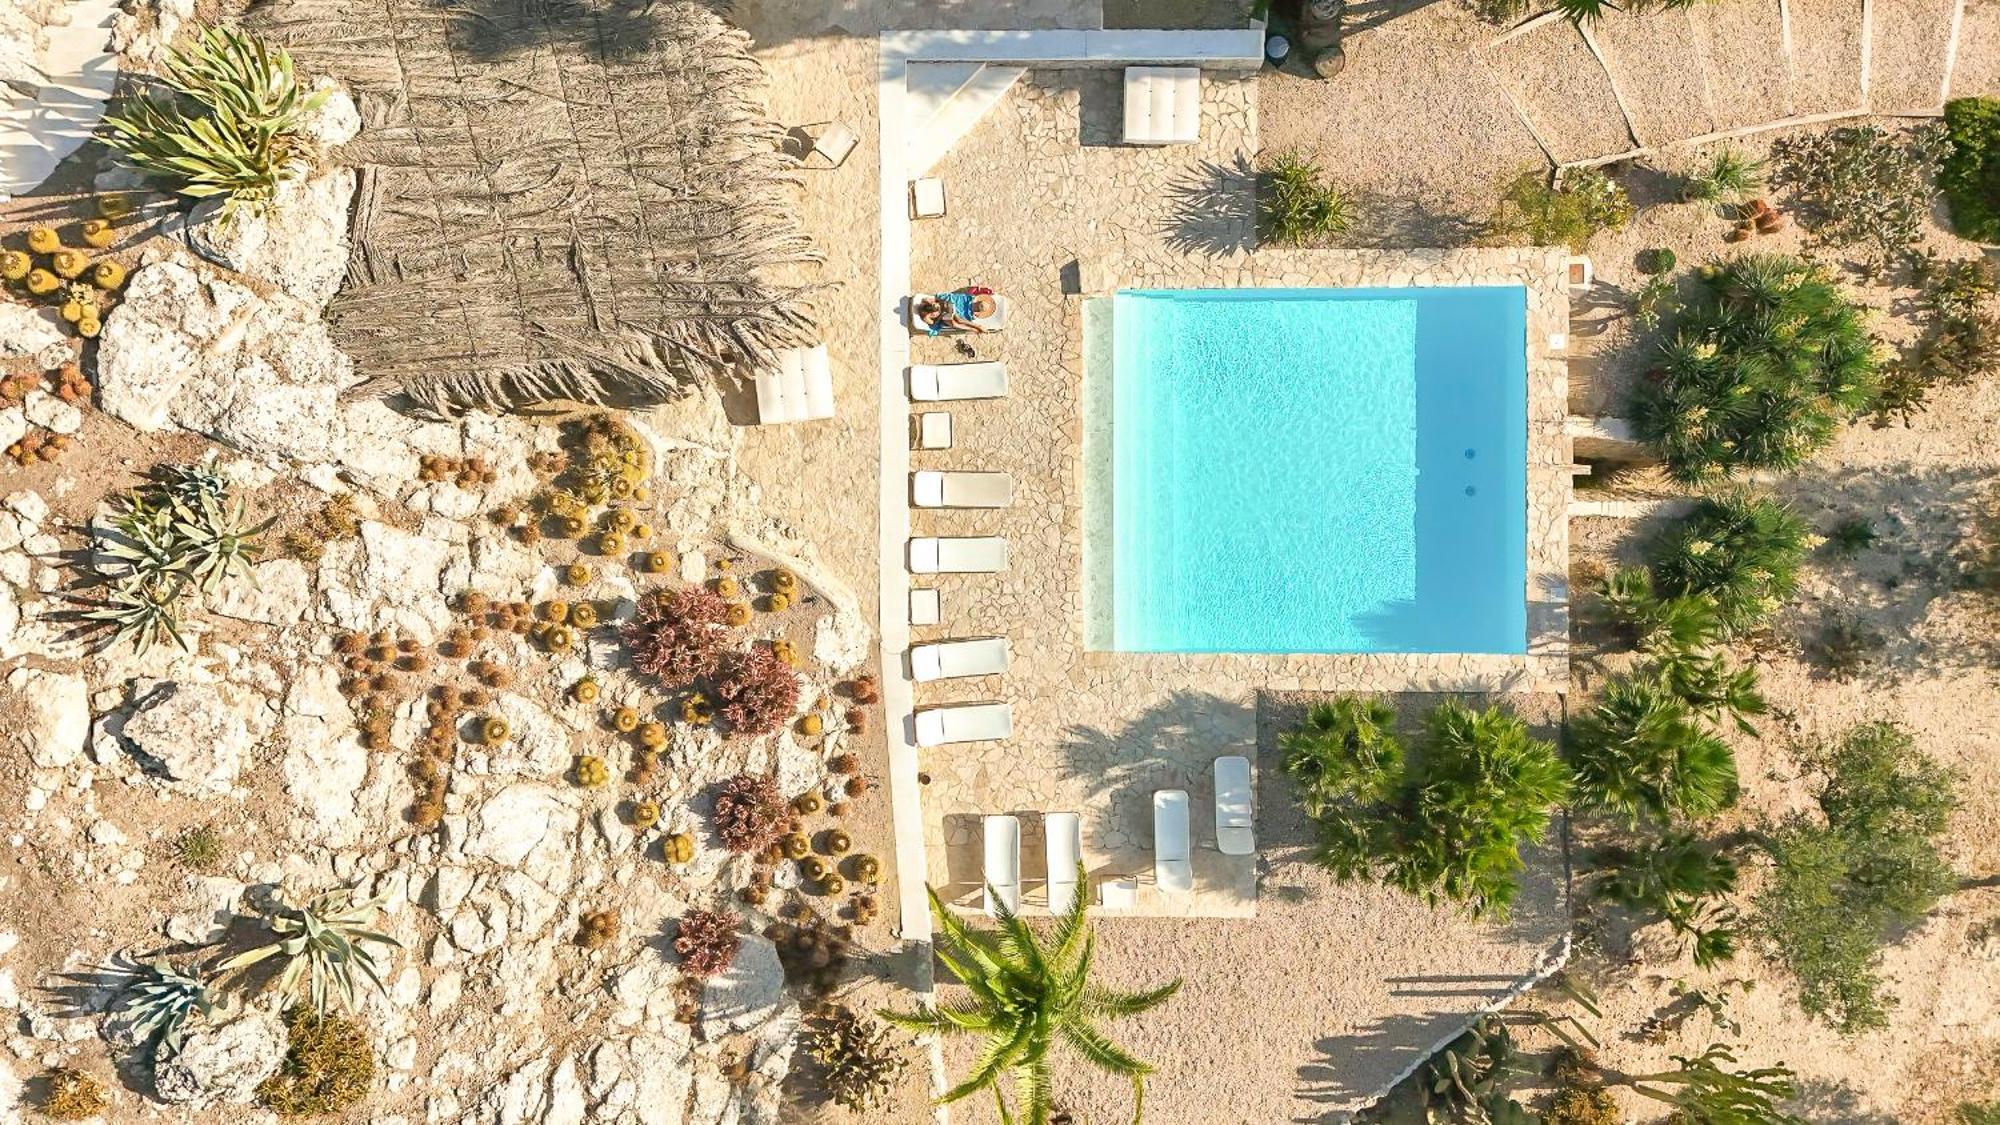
1970 177
1741 551
1297 205
1960 342
1655 300
1583 1105
1446 823
1587 202
1978 1113
1641 753
329 1066
1842 884
1657 260
1765 364
234 130
1850 535
1711 686
1860 186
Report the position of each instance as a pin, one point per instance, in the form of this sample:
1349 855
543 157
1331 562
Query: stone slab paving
1907 55
1656 61
1098 732
1826 55
1743 48
1562 89
1976 72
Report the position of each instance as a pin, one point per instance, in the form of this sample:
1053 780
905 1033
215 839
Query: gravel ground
1424 145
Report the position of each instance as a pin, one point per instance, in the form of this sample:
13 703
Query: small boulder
56 725
224 1062
748 994
198 734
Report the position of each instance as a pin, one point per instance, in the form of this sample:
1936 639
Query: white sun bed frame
800 390
945 660
1002 866
977 554
1162 105
1235 816
956 382
964 722
1064 833
930 488
1173 865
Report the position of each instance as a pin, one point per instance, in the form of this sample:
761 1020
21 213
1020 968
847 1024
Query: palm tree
1029 996
1641 753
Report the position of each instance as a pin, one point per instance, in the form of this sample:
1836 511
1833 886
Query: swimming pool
1318 470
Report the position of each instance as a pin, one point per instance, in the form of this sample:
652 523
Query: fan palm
1640 752
1029 997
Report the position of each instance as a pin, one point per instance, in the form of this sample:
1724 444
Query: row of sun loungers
1063 849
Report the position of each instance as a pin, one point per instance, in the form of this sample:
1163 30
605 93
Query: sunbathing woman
956 312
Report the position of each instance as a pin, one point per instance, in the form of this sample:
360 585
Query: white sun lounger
930 488
964 722
944 660
1002 869
953 382
1065 850
1162 105
993 323
978 554
1173 868
800 390
1234 818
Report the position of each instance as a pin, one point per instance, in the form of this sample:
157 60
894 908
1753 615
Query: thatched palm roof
559 199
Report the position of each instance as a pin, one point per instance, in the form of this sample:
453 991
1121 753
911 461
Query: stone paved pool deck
1047 208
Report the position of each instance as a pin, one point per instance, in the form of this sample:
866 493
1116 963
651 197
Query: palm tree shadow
1168 746
1213 209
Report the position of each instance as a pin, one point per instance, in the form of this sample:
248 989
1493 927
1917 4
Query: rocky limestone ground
493 1011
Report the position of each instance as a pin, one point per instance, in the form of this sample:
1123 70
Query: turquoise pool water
1319 470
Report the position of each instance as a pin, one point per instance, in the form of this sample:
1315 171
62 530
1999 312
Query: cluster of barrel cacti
81 287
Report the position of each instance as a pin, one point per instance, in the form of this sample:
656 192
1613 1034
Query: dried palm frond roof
559 199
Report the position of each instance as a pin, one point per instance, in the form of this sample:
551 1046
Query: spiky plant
233 128
1640 753
323 945
1297 204
189 484
139 539
217 540
142 611
1029 999
1768 359
1740 550
1346 751
1729 175
159 1000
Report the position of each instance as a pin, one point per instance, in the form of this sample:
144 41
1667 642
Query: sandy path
1656 60
1563 90
1826 55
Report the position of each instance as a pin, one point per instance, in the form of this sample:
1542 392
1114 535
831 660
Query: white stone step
928 86
956 117
37 134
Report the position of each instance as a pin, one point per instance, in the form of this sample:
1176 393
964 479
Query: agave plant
139 540
142 611
160 999
323 944
216 540
190 484
1029 998
1729 175
234 128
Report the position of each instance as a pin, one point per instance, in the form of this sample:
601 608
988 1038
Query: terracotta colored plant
677 635
707 942
750 815
759 691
